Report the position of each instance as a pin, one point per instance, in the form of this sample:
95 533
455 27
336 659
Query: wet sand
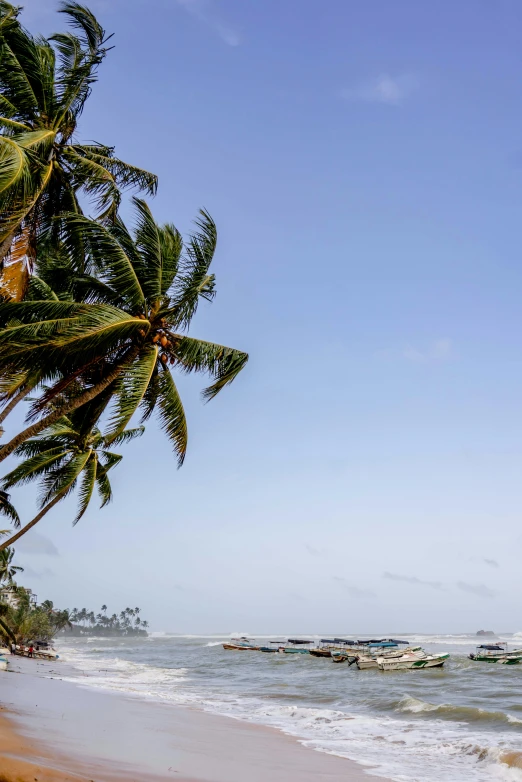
55 731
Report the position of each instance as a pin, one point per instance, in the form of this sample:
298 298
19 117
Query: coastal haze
363 164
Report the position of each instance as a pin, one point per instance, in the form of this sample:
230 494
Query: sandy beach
51 729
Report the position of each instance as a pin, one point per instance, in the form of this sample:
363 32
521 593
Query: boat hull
320 652
500 660
291 650
411 663
363 664
239 648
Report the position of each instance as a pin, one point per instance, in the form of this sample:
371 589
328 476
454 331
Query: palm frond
133 386
172 415
8 510
82 19
193 280
125 436
60 482
36 466
87 485
147 238
222 363
115 265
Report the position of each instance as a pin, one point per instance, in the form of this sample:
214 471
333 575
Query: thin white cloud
354 591
438 350
201 10
412 580
315 552
480 590
34 543
386 89
45 573
491 562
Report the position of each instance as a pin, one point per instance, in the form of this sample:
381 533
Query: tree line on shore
94 315
22 620
127 623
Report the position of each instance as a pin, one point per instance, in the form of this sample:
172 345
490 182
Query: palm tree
44 84
134 302
71 450
7 570
61 619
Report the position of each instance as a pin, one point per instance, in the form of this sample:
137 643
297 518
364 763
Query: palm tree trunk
31 524
5 246
14 401
68 407
7 630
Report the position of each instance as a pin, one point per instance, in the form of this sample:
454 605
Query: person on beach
30 651
13 648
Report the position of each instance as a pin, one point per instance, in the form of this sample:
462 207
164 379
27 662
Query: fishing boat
240 645
411 660
497 653
321 651
388 647
339 649
276 647
298 646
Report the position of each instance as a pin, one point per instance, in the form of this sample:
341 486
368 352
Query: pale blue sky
363 162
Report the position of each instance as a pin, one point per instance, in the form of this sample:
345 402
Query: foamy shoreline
77 733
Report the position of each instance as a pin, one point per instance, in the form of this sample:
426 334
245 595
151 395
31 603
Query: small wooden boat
497 653
240 645
341 657
320 651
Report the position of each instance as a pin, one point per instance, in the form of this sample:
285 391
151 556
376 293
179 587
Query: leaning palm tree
44 85
69 452
134 300
7 570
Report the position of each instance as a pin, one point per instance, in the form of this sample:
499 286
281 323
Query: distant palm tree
7 570
104 609
44 84
61 620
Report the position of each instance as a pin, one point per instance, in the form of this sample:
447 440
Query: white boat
3 664
369 660
411 660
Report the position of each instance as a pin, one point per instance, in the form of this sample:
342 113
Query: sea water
453 724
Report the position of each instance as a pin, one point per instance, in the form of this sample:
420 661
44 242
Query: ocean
462 722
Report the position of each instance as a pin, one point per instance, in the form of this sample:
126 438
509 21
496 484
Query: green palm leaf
115 266
8 510
132 389
172 415
87 485
195 355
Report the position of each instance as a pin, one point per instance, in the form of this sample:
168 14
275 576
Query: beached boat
298 646
497 653
3 663
411 661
